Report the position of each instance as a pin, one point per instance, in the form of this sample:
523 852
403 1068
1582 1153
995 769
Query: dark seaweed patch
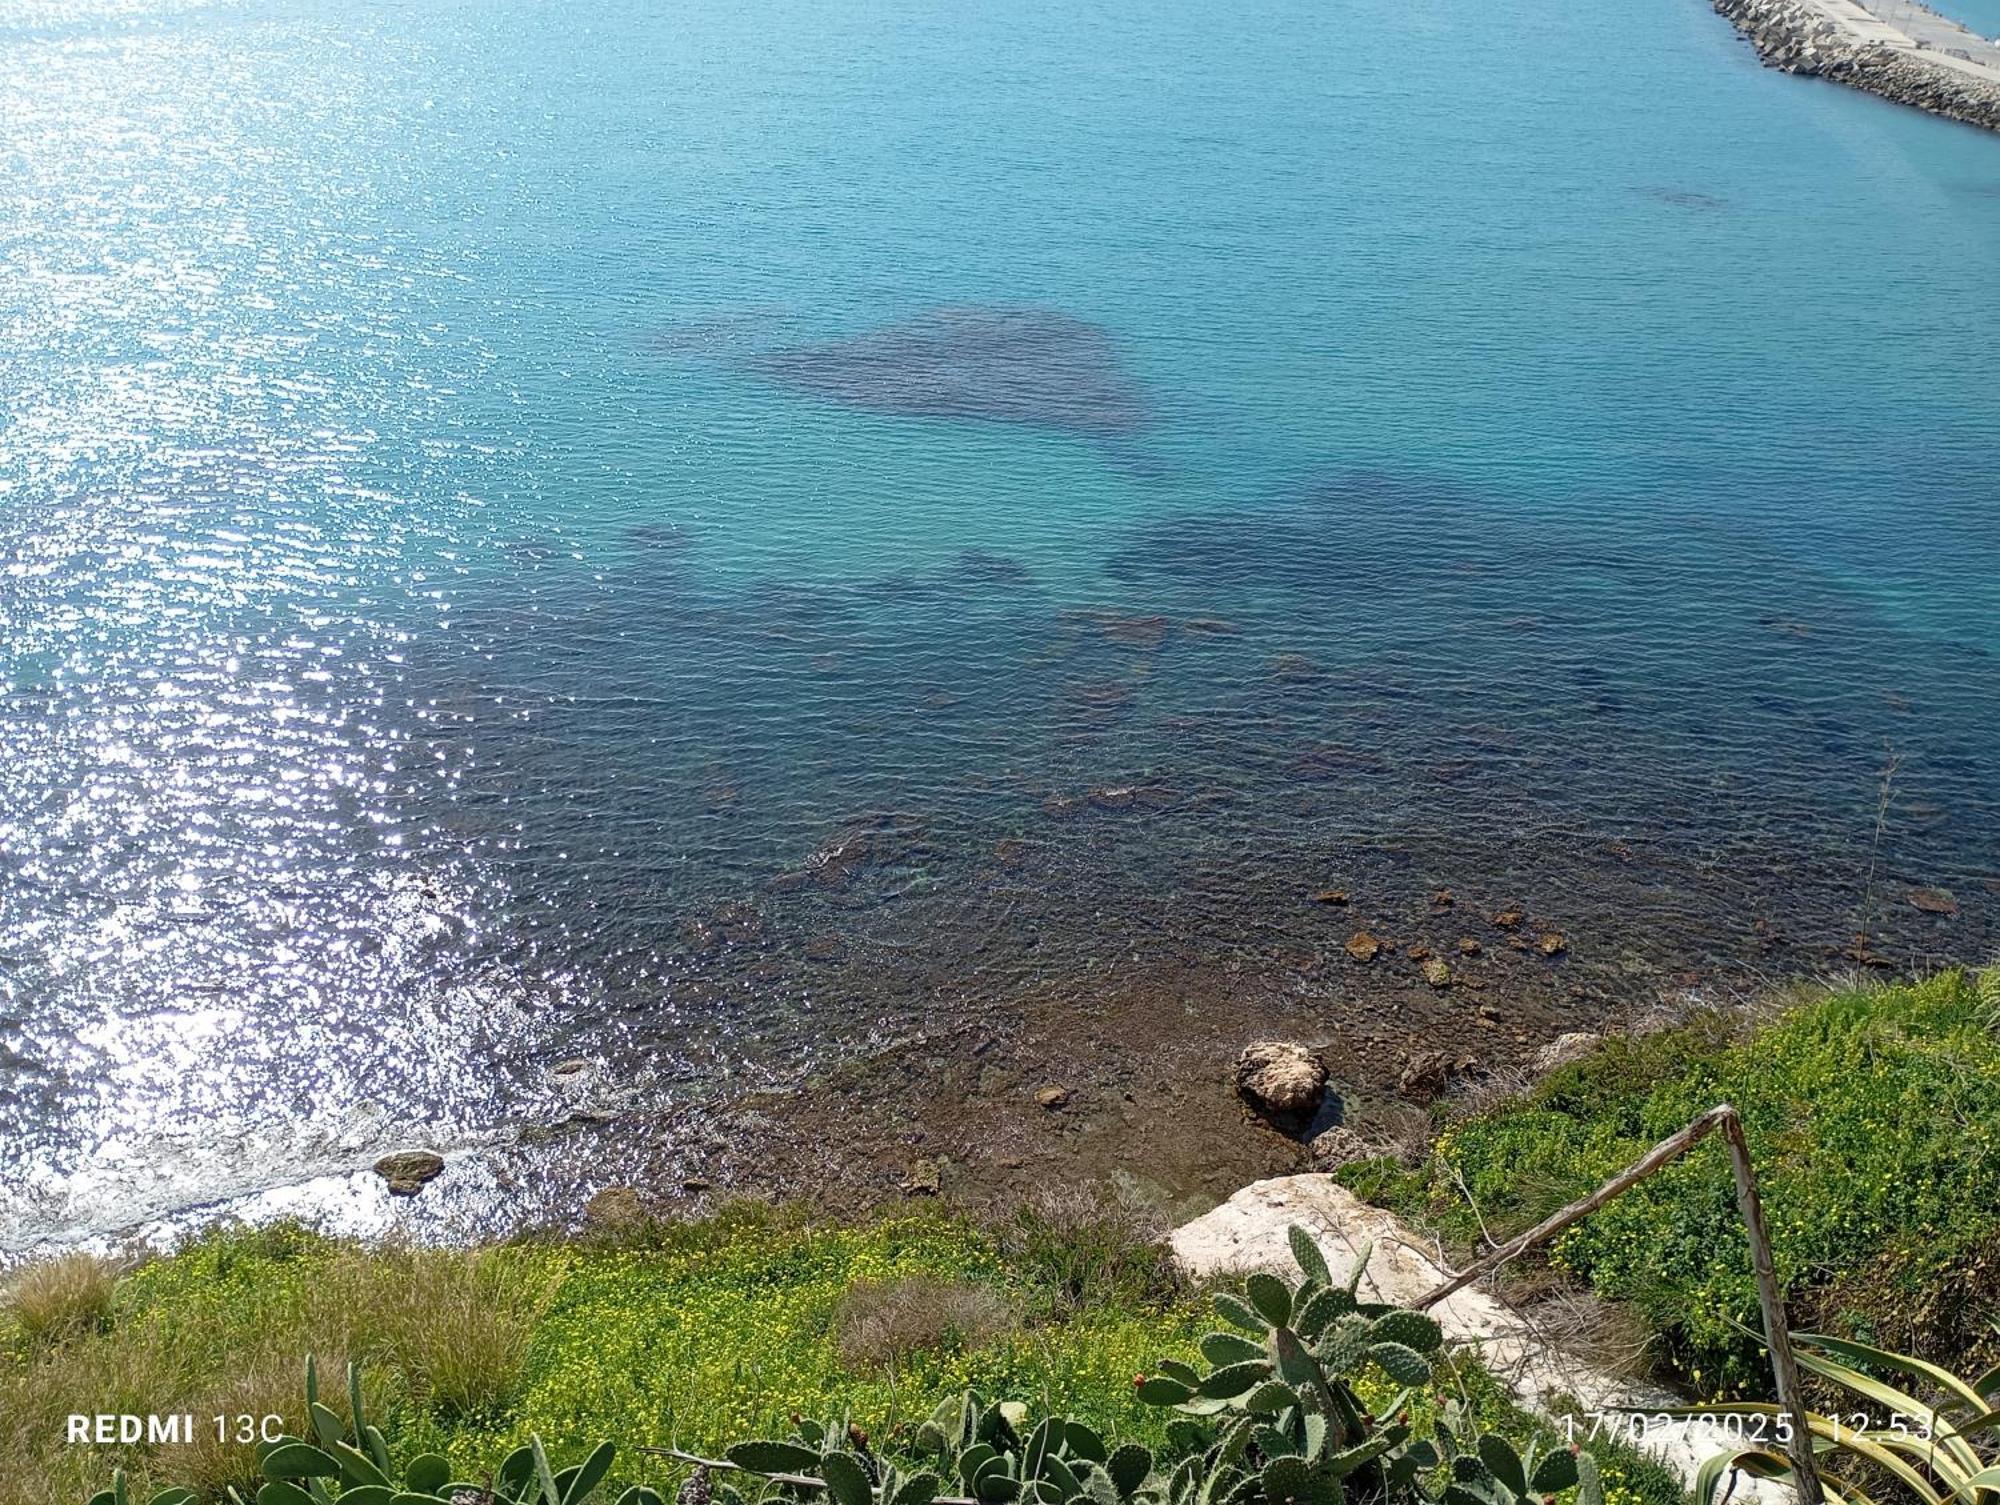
997 363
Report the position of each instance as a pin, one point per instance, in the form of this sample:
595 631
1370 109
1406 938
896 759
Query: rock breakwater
1844 43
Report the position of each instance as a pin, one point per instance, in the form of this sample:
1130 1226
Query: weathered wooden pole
1777 1333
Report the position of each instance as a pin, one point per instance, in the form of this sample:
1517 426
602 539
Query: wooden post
1777 1332
1656 1159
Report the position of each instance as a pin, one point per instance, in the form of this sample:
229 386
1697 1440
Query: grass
881 1324
60 1298
1873 1114
698 1334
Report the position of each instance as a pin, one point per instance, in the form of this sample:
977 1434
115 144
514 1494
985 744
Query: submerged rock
1135 632
1362 946
827 946
1334 896
408 1171
1436 973
1552 943
1280 1078
1933 901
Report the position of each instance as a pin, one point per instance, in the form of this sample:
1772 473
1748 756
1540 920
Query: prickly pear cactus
1275 1418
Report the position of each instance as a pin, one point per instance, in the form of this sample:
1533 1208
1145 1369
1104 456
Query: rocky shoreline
1796 36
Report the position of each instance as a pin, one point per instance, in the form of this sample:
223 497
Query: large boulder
1281 1079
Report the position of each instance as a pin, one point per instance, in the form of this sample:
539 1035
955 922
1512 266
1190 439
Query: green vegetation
696 1335
1314 1397
1873 1114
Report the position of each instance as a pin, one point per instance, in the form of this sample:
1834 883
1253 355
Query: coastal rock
1467 946
1429 1074
1552 943
1933 901
1053 1097
1339 1146
1442 899
407 1171
1573 1046
1509 919
1334 896
1284 1080
1363 947
1436 973
614 1207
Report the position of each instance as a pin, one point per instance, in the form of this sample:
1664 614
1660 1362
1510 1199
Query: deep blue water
504 559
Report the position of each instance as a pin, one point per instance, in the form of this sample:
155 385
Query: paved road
1908 26
1924 25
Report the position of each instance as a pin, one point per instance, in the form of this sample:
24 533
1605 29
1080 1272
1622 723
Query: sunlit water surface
688 536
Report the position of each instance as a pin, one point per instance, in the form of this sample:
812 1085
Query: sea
674 542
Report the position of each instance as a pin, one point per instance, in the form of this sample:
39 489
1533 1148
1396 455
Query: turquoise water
490 578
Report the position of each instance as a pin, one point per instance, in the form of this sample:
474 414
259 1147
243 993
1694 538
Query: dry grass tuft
879 1322
1085 1245
1607 1335
56 1299
271 1383
452 1324
135 1372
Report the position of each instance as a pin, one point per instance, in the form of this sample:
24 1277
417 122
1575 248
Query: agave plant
1277 1418
1944 1449
349 1462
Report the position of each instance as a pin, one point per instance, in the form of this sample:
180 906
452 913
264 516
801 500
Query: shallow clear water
489 577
